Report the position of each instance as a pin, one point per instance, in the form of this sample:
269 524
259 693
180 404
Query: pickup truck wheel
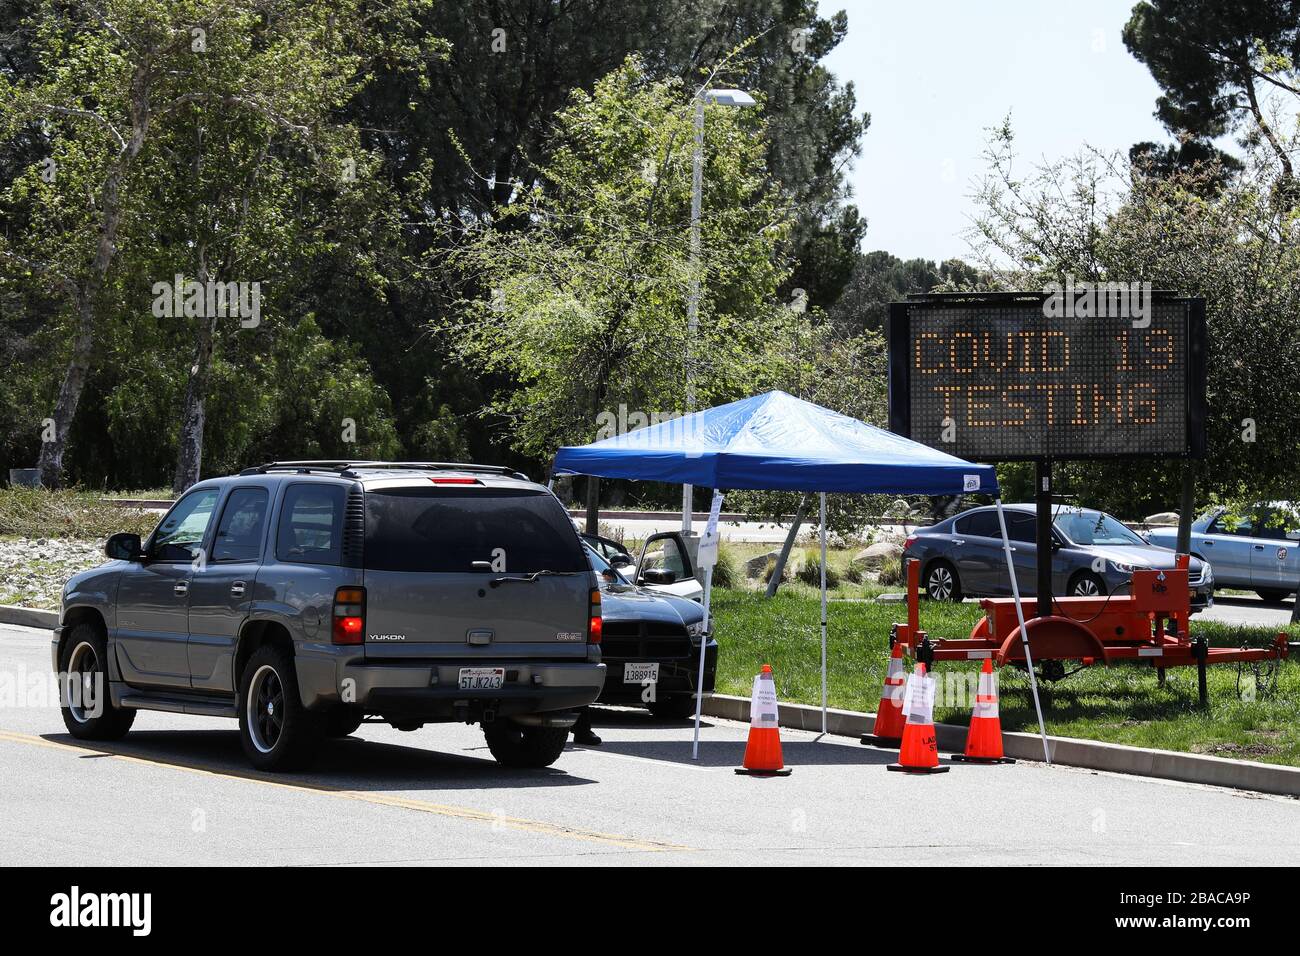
674 707
341 721
532 747
277 733
88 711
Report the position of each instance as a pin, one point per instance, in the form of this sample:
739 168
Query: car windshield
1095 527
601 566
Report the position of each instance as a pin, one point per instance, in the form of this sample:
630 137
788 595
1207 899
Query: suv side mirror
621 561
658 576
123 546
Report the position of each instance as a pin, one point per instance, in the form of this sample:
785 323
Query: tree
880 278
202 133
1096 218
511 68
1215 61
585 274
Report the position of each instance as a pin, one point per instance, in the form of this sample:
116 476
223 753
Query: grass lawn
1121 704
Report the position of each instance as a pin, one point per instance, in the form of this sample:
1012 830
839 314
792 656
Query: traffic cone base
871 740
962 758
901 769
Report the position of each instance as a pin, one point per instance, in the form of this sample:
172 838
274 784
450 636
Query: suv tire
673 707
514 745
85 653
276 731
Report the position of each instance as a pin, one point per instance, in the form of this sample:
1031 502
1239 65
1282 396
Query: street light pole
721 98
693 293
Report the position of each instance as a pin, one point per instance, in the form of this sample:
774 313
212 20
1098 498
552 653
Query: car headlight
1128 568
698 629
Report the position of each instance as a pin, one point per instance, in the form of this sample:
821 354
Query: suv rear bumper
429 690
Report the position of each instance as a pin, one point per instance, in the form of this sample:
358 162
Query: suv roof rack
348 468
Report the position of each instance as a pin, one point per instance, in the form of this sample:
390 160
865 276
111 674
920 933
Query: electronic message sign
1005 376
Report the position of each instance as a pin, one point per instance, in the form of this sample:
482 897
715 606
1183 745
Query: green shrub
771 567
811 572
727 572
39 513
891 572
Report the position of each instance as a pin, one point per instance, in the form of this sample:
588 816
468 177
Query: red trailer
1151 623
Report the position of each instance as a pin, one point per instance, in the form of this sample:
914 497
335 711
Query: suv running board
180 705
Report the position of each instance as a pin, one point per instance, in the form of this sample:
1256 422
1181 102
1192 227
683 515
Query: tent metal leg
1024 633
823 527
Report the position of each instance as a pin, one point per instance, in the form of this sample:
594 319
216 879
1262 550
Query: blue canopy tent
778 442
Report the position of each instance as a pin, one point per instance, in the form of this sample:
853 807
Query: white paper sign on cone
918 699
762 704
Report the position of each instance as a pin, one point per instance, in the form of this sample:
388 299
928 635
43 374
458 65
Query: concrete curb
1067 751
28 616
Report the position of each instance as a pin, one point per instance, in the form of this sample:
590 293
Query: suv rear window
311 524
438 530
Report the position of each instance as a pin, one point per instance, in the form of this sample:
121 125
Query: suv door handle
180 588
1259 547
1208 543
958 541
237 589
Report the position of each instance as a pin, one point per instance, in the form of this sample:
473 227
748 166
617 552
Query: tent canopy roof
779 442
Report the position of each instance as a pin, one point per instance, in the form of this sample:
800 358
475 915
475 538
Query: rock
873 556
755 566
1163 519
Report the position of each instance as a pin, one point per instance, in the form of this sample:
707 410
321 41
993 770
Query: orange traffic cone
984 739
920 751
763 752
888 729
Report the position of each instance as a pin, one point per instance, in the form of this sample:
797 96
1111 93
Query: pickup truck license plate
482 678
641 673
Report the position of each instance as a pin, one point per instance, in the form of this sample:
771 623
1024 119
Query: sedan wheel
1087 585
941 583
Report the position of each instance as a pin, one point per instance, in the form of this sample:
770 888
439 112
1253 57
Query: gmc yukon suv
304 597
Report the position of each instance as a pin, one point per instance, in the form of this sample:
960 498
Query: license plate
640 673
482 678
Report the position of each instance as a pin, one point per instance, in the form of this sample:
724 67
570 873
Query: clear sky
935 74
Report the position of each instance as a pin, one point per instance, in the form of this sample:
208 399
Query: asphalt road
177 791
1247 609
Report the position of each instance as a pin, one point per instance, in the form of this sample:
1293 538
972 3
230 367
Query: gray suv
304 597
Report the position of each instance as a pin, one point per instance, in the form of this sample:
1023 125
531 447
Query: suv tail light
349 616
456 481
911 540
594 622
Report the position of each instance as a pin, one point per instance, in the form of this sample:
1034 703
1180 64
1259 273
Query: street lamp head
728 97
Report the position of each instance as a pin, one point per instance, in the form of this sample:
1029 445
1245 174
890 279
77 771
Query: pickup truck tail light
349 616
594 622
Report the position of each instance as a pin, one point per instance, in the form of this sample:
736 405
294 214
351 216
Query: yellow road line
440 809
